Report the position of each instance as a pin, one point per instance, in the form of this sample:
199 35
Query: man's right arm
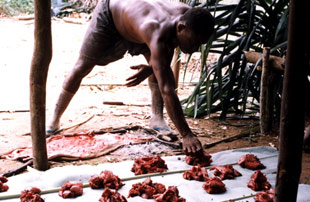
161 56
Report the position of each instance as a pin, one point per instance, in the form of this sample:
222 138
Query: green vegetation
231 85
16 7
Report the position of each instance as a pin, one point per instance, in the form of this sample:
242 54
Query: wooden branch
77 21
266 95
274 61
228 139
42 56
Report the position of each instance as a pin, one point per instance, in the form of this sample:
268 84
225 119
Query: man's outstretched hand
144 71
191 145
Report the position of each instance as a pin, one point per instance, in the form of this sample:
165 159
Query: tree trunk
39 67
292 107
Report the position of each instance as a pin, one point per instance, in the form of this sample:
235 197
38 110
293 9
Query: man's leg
157 121
69 88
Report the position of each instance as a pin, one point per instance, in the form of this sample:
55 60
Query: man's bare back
149 27
137 21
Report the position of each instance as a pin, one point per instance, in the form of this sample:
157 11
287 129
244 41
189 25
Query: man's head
194 28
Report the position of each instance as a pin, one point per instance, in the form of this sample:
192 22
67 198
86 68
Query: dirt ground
102 84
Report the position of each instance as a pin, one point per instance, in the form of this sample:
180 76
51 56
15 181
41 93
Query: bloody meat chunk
203 159
225 172
146 189
196 173
3 187
106 179
250 161
32 195
71 189
259 182
108 195
149 164
170 195
265 196
214 186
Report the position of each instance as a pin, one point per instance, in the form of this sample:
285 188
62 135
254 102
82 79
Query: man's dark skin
157 24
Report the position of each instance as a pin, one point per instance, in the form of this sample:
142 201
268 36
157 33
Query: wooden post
42 56
292 106
266 94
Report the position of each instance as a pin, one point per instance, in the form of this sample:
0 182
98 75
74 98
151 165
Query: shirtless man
149 27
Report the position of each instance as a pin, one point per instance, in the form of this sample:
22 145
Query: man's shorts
102 42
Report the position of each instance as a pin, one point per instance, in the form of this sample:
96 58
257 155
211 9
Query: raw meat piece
196 173
225 172
112 196
32 195
265 196
3 187
250 161
259 182
3 179
146 189
71 189
214 186
170 195
203 159
149 164
106 179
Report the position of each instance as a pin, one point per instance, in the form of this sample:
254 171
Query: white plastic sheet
192 191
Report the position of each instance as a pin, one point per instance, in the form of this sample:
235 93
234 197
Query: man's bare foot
307 139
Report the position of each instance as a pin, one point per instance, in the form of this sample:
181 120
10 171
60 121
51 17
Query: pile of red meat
149 190
149 164
111 196
259 182
170 195
214 186
250 161
225 172
71 190
106 179
265 196
31 195
3 187
196 173
203 159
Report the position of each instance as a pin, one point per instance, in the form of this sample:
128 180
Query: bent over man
149 27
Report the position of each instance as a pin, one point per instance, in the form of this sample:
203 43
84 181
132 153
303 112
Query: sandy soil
102 84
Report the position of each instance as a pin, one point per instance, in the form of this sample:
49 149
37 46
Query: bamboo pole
42 56
292 106
266 94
